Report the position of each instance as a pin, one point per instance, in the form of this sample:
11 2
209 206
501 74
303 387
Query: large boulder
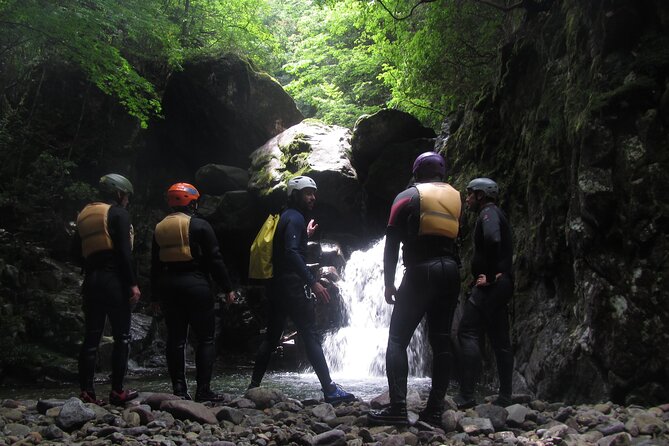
217 179
374 133
217 110
388 175
320 151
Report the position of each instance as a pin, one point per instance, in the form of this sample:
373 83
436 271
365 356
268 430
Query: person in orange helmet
185 256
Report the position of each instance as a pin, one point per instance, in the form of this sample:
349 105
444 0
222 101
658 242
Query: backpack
260 260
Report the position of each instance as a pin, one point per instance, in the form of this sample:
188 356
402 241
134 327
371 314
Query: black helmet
429 164
488 186
113 182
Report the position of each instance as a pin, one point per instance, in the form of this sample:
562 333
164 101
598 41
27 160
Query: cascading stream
358 350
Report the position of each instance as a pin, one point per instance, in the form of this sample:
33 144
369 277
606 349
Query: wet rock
647 424
517 414
144 412
611 427
44 405
16 430
324 412
334 437
154 400
189 410
476 426
497 415
231 414
52 432
621 439
264 397
73 415
11 414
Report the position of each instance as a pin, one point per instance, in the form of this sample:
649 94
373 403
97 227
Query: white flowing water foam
358 350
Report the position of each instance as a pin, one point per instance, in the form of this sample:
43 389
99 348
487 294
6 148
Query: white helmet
299 183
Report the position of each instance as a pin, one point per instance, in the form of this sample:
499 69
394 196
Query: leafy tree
332 68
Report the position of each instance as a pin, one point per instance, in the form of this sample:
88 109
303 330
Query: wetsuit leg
276 318
203 322
301 312
176 320
497 327
94 323
444 288
469 335
410 306
119 313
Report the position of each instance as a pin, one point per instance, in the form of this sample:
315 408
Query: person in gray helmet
291 288
103 245
486 309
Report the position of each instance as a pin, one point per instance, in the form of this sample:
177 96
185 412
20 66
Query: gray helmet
113 182
488 186
299 183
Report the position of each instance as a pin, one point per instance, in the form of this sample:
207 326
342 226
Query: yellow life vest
92 227
172 237
440 207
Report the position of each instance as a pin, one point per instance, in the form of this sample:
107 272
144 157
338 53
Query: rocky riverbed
265 416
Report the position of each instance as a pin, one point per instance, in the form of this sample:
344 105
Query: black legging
428 288
287 298
486 311
187 301
104 295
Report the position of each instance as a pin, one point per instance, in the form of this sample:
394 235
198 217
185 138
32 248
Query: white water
358 350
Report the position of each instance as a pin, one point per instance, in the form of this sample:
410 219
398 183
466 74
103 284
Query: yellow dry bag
260 261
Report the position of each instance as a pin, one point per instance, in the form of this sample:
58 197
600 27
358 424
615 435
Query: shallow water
294 385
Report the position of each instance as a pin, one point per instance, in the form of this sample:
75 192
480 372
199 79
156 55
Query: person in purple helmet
424 219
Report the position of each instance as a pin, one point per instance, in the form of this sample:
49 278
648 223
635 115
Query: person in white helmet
289 294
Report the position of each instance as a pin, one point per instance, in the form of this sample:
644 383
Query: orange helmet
181 195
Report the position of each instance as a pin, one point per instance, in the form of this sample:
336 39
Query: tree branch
392 14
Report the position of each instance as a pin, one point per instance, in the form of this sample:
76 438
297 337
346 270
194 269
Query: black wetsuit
486 310
184 291
288 295
106 290
430 287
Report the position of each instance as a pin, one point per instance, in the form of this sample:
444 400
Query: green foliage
347 57
114 41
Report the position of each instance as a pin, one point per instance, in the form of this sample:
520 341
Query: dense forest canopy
339 59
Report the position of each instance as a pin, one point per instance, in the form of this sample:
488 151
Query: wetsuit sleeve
397 222
211 254
391 255
75 249
119 231
155 270
293 234
492 242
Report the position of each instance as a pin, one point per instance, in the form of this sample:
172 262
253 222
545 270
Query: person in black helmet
424 219
103 244
289 293
184 255
486 309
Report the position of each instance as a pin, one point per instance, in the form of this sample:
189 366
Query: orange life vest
92 227
172 237
440 206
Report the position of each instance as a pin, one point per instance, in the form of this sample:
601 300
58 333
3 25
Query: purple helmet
429 164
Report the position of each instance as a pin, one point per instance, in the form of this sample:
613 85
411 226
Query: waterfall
359 349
